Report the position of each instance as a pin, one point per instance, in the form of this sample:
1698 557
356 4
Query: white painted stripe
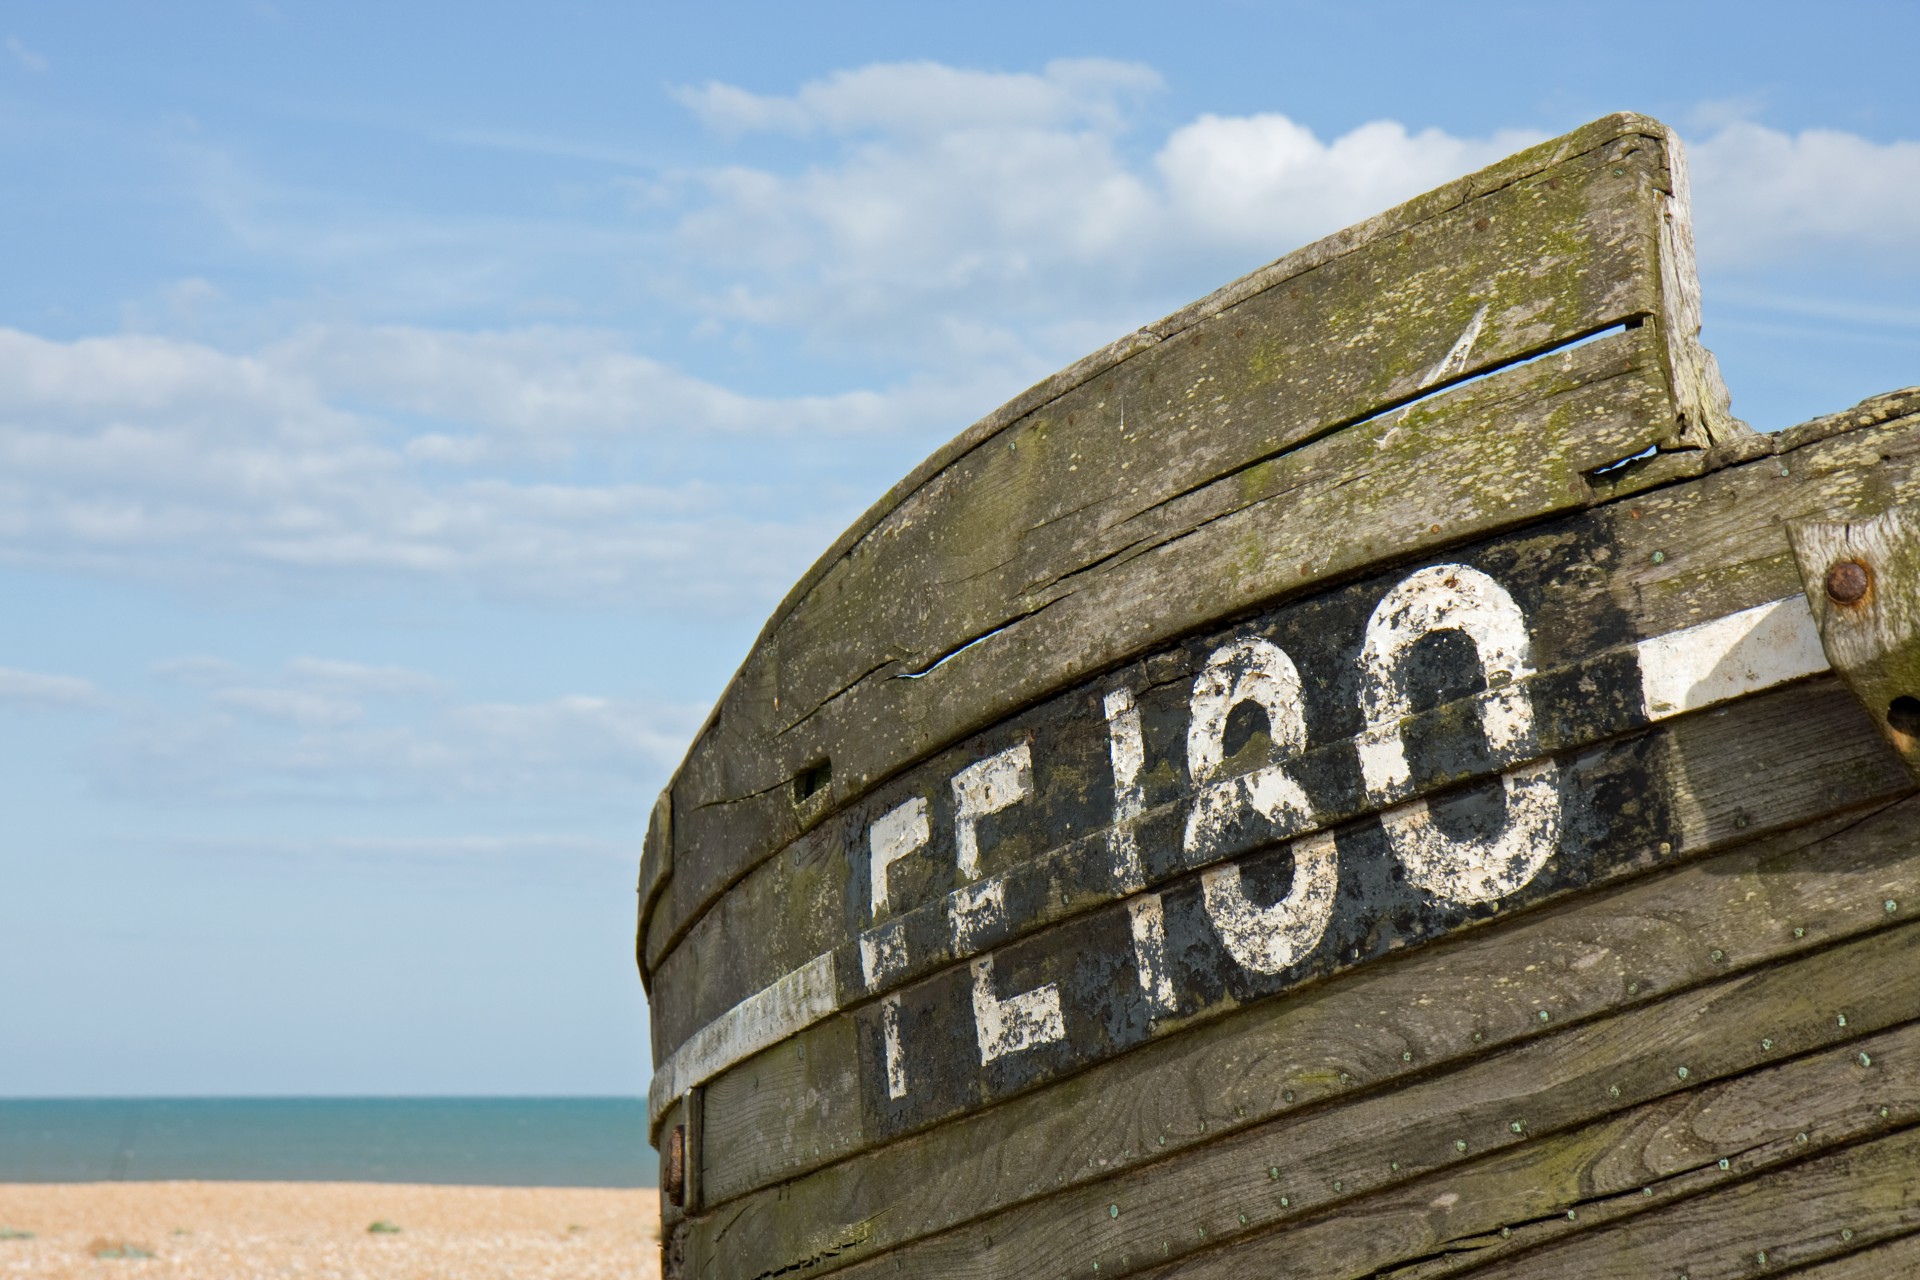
1730 657
764 1018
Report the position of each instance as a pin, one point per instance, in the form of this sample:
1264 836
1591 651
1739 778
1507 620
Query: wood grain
1607 951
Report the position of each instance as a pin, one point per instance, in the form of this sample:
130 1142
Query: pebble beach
326 1231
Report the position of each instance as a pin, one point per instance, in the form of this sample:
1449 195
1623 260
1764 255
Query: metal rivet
1725 1163
1659 557
1113 1211
1865 1061
1681 1072
1459 1144
1847 581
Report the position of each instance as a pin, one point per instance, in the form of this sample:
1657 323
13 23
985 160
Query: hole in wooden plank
812 780
1903 713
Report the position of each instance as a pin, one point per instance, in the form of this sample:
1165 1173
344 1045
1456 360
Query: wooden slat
1005 536
1608 950
1639 1194
1515 1131
1720 547
1898 1257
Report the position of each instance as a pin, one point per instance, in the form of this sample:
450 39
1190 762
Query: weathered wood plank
1662 560
1607 950
1623 807
1542 250
1694 1057
1897 1257
1863 583
1641 1193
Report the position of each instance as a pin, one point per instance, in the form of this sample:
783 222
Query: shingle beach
320 1230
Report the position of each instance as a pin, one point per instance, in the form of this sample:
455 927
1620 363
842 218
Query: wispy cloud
38 687
26 58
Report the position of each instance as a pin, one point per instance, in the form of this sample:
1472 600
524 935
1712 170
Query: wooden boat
1376 774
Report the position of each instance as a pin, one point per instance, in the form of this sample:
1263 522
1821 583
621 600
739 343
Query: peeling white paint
1482 870
768 1016
975 911
1268 939
984 787
1126 750
1245 670
896 1057
1456 358
1730 657
895 834
1150 950
1456 597
883 952
1017 1022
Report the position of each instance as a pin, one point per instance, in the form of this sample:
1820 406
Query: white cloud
1265 180
1764 196
36 687
154 457
288 744
925 98
361 678
292 705
28 59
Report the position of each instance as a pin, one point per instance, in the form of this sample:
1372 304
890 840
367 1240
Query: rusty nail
674 1180
1847 582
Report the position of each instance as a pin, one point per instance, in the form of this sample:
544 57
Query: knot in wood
1847 582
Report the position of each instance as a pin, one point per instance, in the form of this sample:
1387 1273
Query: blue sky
408 413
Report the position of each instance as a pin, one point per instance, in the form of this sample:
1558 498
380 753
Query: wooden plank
1863 583
1551 246
1681 1076
1377 1028
1560 417
1614 810
808 901
1641 1193
1897 1257
1663 560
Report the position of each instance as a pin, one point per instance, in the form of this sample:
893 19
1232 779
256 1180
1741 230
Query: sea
521 1142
